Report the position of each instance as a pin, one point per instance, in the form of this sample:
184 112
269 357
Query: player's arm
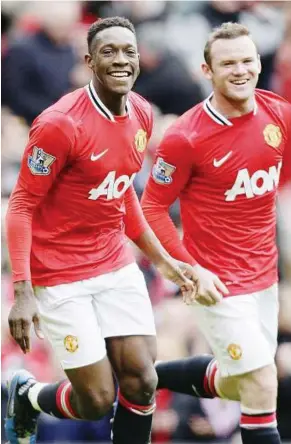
139 231
170 175
44 157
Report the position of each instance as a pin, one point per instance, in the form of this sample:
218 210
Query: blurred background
43 45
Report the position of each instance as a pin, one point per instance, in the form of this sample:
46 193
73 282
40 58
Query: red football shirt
225 173
75 194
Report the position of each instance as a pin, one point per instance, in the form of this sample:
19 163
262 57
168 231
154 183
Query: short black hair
105 23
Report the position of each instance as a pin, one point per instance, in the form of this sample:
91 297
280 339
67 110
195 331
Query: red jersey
225 172
76 179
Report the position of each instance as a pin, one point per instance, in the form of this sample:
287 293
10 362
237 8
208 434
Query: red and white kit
75 200
225 173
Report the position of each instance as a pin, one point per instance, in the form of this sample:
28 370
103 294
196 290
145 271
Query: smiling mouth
239 82
120 74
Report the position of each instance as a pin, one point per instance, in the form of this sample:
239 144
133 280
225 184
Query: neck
232 108
114 102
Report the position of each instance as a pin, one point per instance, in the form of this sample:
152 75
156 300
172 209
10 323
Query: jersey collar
99 105
216 116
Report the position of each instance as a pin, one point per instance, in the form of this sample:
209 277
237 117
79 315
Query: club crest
71 343
39 162
272 135
140 140
234 351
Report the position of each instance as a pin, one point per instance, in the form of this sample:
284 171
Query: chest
111 148
252 151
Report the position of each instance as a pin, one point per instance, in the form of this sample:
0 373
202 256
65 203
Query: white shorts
76 317
241 330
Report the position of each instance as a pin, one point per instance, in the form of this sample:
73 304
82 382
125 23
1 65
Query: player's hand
210 288
22 314
171 270
189 273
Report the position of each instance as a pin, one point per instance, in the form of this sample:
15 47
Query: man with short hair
223 159
68 218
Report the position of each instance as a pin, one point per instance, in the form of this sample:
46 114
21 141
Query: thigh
268 302
70 323
131 355
234 332
123 307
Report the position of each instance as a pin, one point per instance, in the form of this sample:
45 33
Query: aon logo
111 187
256 185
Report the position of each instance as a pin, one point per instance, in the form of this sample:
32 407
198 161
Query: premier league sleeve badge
39 162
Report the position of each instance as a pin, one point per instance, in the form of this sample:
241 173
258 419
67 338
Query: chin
241 97
120 90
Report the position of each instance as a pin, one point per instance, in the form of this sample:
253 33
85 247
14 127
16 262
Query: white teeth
239 82
119 74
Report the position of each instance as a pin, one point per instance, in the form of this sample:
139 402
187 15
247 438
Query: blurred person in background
223 160
36 67
185 32
77 270
165 79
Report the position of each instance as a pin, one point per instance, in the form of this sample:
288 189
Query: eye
107 51
131 52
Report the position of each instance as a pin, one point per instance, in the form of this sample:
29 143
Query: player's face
235 68
115 59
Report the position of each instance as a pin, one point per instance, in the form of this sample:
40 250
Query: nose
120 58
239 69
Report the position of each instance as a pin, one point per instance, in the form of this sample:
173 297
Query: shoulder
62 114
187 126
142 108
273 100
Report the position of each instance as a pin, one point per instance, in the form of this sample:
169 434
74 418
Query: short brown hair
227 31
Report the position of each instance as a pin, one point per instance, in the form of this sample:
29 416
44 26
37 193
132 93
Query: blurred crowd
43 44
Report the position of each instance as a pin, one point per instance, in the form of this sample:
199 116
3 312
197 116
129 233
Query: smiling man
68 218
223 159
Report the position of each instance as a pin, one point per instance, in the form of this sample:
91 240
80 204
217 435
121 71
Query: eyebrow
235 60
114 45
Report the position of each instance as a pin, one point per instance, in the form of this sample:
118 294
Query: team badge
234 351
162 172
272 135
140 140
39 162
71 343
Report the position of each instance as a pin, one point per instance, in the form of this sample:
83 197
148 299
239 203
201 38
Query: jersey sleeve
134 220
44 157
170 174
50 143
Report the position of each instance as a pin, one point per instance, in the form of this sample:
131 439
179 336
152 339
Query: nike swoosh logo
218 163
93 157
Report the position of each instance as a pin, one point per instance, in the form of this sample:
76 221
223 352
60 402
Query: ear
259 63
206 71
138 69
89 61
